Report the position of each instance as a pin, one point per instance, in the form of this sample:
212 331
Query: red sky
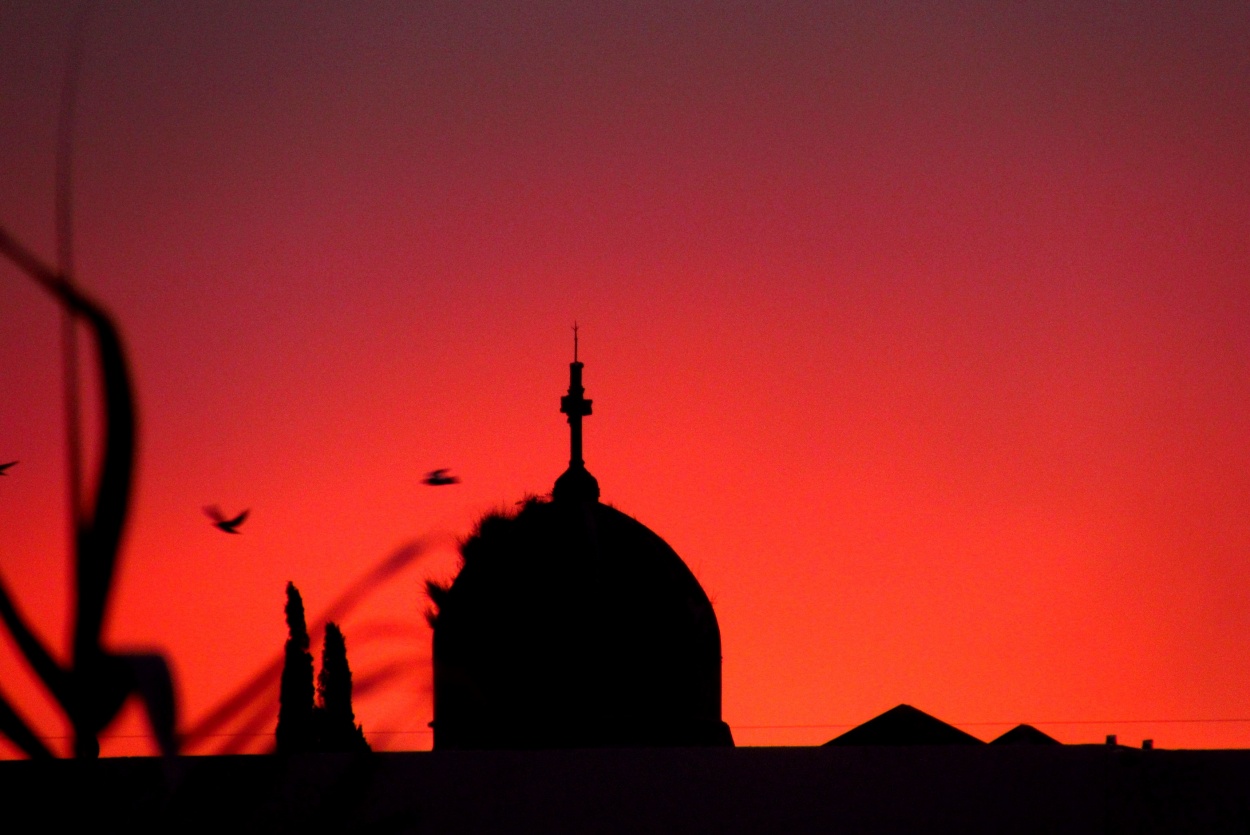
921 331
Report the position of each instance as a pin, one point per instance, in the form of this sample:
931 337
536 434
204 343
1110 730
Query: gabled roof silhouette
1025 735
905 725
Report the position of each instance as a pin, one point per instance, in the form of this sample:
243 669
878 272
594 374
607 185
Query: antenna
574 340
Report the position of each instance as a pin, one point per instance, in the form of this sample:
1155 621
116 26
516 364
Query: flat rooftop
1070 789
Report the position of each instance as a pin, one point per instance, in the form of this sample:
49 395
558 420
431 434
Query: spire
576 483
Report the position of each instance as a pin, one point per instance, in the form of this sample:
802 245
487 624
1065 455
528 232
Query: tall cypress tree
295 699
337 728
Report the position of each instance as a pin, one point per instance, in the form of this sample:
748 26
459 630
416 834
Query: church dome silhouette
573 625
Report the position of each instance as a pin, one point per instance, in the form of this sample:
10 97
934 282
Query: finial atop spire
576 483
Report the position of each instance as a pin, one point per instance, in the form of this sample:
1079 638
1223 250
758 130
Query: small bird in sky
439 478
4 467
221 522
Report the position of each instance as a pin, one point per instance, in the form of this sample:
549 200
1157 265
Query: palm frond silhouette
95 684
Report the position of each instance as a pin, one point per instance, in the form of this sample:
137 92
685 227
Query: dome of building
571 624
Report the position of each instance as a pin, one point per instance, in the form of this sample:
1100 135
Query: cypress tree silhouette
337 728
295 699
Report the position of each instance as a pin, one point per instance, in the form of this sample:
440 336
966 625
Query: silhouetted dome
905 725
571 624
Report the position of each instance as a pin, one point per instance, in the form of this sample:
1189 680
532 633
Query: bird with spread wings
221 522
439 478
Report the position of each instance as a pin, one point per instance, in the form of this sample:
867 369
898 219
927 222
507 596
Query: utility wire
1017 722
427 732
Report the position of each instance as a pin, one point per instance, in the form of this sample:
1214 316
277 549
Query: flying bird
4 467
221 522
439 478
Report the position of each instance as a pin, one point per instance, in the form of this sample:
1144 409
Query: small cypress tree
295 699
337 728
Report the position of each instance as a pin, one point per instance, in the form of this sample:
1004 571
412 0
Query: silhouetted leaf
41 661
15 728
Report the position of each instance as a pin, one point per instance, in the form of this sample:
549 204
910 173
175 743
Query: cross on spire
576 483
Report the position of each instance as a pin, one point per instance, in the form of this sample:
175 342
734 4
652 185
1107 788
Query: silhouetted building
904 725
1025 735
571 624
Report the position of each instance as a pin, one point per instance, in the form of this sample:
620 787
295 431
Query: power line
1017 722
256 734
827 726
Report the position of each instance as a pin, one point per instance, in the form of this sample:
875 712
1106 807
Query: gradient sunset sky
920 330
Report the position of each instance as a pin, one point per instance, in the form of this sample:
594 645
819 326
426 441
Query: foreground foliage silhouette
328 724
93 687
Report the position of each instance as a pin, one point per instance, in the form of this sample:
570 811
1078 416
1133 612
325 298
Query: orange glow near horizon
922 336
